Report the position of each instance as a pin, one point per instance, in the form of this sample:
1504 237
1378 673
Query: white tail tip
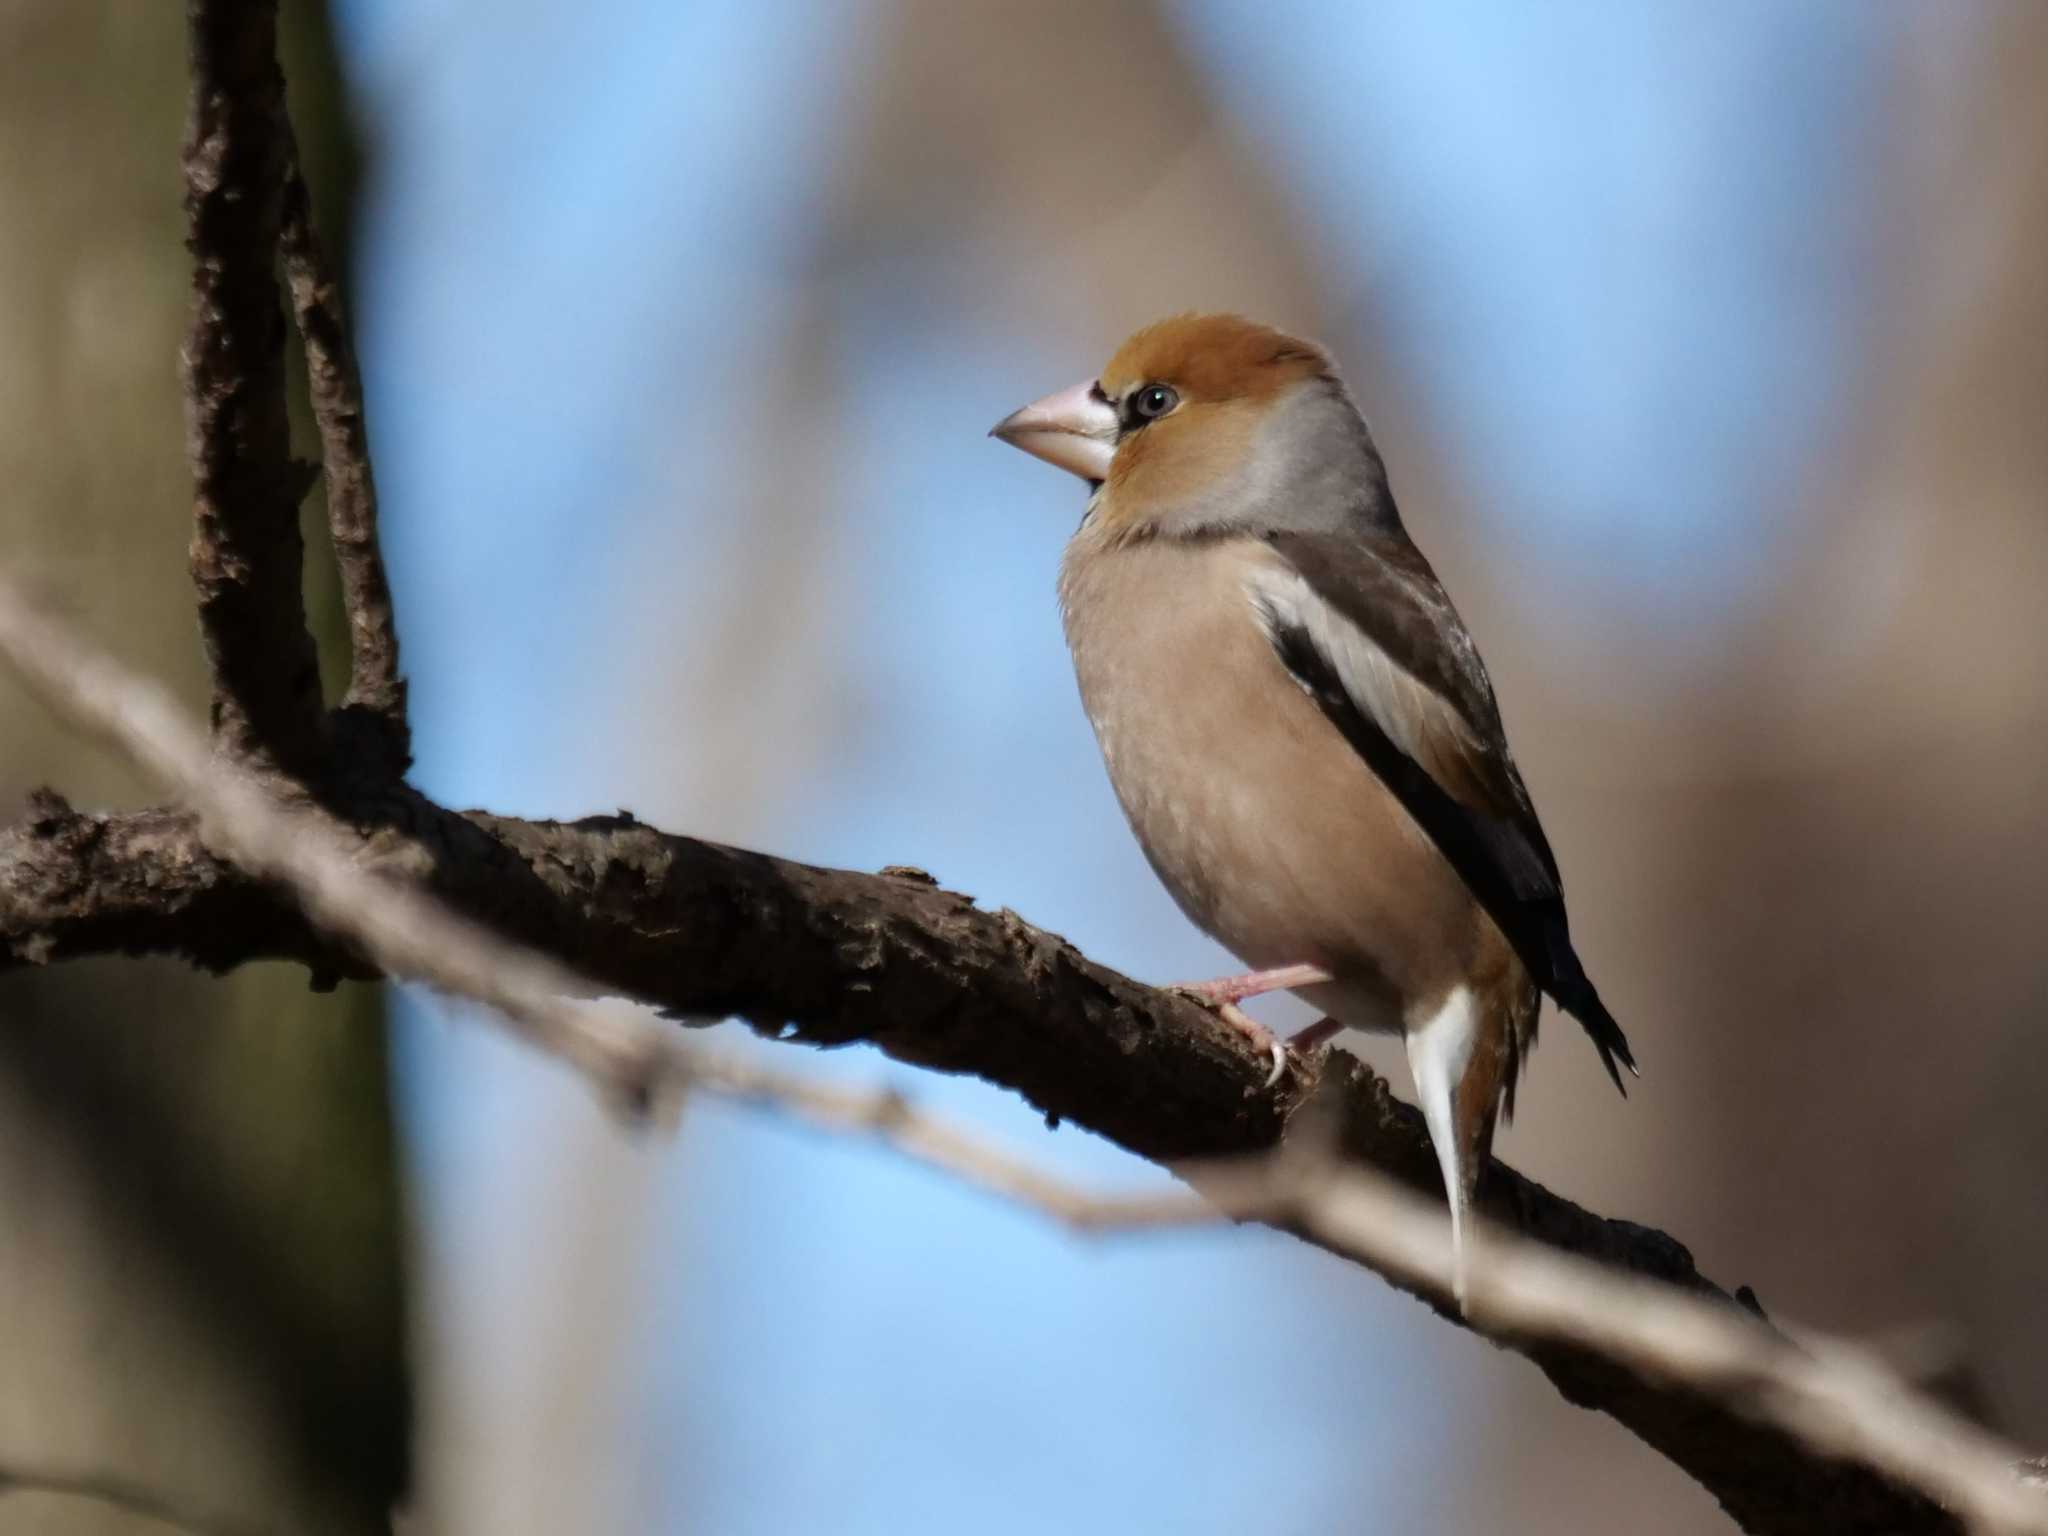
1437 1054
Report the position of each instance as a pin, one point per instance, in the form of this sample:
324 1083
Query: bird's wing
1365 627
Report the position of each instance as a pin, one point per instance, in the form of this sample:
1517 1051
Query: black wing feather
1498 848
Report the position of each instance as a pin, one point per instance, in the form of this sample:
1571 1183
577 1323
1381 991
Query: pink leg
1226 992
1235 989
1308 1039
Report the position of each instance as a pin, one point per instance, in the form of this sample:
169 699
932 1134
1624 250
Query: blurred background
1709 350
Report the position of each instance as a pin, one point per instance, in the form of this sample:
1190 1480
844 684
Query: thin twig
1828 1397
335 385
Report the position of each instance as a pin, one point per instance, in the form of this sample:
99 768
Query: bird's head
1202 423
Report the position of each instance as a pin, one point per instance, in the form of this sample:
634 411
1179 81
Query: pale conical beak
1075 429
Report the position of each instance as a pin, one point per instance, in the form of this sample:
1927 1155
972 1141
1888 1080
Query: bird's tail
1574 992
1458 1059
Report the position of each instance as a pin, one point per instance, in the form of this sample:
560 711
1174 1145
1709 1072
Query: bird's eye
1152 401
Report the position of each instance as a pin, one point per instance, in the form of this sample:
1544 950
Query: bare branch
142 884
1829 1396
375 685
1834 1443
246 551
388 916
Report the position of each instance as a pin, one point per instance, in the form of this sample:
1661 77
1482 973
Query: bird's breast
1270 832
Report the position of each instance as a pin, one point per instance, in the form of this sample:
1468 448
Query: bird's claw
1260 1036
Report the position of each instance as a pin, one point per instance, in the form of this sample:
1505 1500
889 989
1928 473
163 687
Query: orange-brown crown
1213 358
1229 372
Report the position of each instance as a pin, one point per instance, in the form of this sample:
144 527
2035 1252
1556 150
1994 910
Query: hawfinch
1296 722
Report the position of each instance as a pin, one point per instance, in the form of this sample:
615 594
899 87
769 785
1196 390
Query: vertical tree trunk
200 1220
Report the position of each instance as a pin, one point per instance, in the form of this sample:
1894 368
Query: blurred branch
246 549
109 1492
1787 1436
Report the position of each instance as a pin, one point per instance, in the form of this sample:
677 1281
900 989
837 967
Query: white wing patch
1414 717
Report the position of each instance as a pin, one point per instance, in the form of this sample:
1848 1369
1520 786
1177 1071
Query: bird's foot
1263 1039
1317 1034
1222 995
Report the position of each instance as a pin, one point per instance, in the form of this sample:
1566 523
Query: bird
1297 723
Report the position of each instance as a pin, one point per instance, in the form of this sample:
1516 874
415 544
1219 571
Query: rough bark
247 553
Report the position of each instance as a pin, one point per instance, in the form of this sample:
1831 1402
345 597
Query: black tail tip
1607 1058
1607 1037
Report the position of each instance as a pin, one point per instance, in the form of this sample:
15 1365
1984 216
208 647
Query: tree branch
375 688
924 974
247 554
